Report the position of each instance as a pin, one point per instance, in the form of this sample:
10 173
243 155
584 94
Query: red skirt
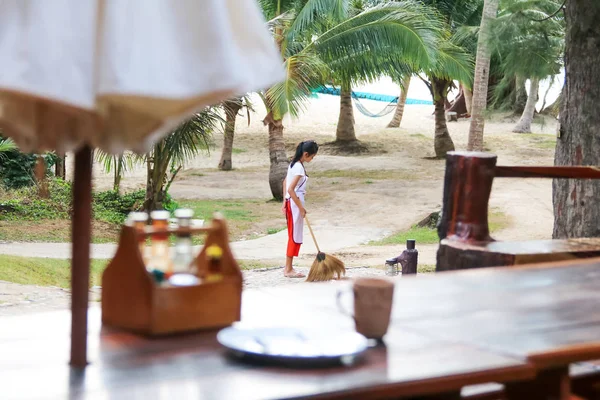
293 248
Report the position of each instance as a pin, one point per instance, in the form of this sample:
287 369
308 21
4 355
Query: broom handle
575 172
312 234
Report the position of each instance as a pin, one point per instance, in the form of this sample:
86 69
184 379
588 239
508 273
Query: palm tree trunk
524 124
576 211
277 155
520 96
482 75
554 108
442 142
395 122
345 126
59 167
468 99
231 107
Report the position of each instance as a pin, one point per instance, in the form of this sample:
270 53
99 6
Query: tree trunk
231 107
468 99
576 211
60 170
482 75
442 142
520 96
41 179
277 155
345 126
395 122
524 124
554 108
157 166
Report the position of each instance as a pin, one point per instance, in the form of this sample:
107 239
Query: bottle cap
160 214
138 216
184 213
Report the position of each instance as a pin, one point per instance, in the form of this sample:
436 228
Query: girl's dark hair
310 146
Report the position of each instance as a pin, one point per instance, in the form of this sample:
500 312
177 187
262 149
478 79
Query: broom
324 267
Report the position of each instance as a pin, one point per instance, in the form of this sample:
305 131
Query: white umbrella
119 74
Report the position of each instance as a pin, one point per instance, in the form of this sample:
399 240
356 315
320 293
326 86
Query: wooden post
467 188
409 258
80 262
552 384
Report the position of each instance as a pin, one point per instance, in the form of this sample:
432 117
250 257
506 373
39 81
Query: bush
108 206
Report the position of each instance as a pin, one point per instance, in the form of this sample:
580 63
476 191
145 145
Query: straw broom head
325 268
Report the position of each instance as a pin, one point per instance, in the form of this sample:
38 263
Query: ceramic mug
373 300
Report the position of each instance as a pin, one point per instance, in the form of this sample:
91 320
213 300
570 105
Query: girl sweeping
294 189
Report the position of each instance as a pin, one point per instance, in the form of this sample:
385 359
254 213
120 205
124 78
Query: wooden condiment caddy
132 300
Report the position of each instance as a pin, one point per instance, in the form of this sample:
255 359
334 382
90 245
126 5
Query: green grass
419 136
241 215
44 271
238 151
426 235
421 235
541 141
425 268
272 231
232 210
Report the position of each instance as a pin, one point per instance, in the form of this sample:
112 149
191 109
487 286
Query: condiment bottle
183 255
159 258
139 221
214 254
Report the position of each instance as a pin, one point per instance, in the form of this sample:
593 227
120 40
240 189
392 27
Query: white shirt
296 170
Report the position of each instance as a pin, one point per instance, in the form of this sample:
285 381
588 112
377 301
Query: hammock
386 110
390 107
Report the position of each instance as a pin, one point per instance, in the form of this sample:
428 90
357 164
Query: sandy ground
345 212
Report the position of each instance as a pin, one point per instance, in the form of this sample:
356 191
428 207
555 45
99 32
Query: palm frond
313 10
7 145
453 63
406 31
191 137
305 71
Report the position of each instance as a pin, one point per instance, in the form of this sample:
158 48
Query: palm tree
482 75
397 119
397 38
321 41
116 164
173 151
453 63
530 39
231 107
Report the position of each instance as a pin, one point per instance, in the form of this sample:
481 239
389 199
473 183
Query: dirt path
351 200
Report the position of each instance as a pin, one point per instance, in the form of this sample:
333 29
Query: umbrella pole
80 262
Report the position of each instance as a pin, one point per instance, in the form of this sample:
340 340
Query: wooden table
546 314
448 331
35 348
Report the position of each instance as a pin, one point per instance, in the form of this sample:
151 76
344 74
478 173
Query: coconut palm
453 64
482 75
231 107
170 154
321 41
529 37
456 62
404 85
115 164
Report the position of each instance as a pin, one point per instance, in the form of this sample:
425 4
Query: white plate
294 345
